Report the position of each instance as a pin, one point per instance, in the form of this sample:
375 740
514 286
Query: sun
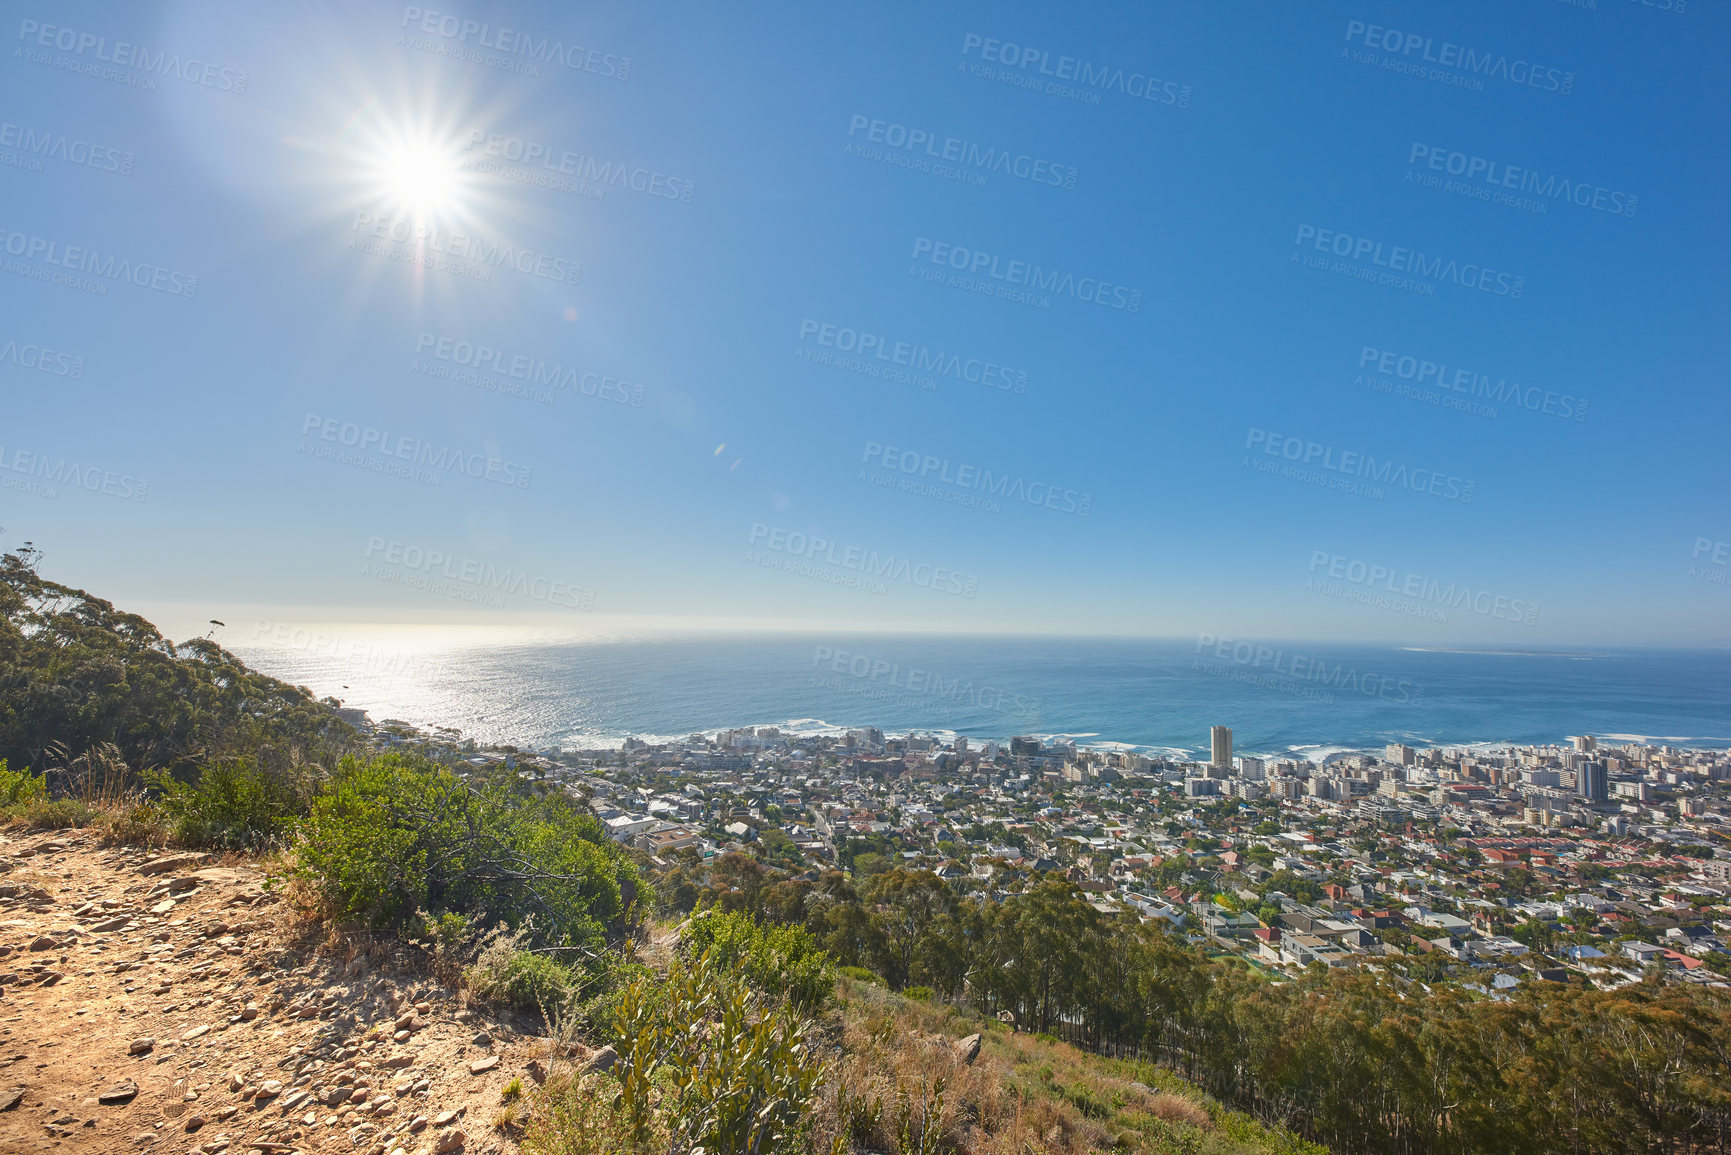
420 178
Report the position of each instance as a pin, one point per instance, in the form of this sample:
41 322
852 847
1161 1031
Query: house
659 842
1643 952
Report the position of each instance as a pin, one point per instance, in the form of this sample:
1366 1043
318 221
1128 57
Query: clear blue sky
1196 155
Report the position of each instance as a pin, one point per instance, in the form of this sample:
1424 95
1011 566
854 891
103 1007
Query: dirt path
160 1002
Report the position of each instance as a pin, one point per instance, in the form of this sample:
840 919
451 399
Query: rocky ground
168 1002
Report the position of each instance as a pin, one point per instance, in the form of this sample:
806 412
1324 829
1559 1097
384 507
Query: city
1591 861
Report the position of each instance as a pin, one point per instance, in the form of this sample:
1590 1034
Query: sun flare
420 178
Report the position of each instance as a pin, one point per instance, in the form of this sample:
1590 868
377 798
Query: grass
1024 1093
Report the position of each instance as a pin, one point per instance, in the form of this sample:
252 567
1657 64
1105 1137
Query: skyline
600 395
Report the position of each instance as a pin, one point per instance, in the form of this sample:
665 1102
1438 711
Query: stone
43 942
170 863
416 1125
122 1092
968 1049
451 1140
163 907
601 1060
481 1065
109 924
270 1089
10 1099
142 1046
482 1040
197 1032
537 1071
445 1118
193 1123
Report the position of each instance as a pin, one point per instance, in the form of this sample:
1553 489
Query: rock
416 1125
197 1032
270 1089
193 1123
451 1140
43 942
404 1022
601 1060
109 924
398 1061
968 1049
170 863
537 1071
249 1013
163 907
481 1065
10 1099
482 1040
401 1037
122 1092
142 1046
445 1118
235 1082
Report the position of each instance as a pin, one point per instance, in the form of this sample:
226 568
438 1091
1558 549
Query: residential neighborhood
1487 866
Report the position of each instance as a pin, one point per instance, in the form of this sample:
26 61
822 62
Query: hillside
232 925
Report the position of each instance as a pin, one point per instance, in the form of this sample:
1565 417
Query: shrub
53 814
506 973
739 1075
860 974
1178 1109
20 786
234 803
573 1117
784 962
394 837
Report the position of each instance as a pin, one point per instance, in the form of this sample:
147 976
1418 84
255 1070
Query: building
1400 755
1585 743
1592 782
1252 769
1220 738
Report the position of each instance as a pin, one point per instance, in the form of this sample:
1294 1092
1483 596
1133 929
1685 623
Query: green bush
396 839
20 786
860 974
54 814
234 803
701 1058
781 961
506 973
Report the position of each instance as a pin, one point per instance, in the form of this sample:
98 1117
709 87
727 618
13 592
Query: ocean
1154 696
